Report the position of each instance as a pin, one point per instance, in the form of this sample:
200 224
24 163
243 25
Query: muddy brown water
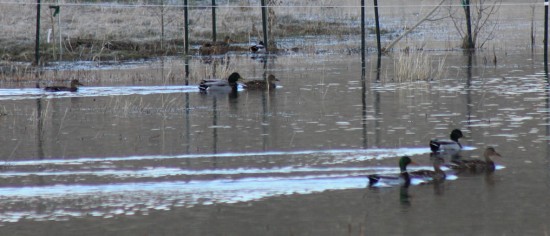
157 159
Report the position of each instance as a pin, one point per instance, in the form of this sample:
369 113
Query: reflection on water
29 93
110 186
117 152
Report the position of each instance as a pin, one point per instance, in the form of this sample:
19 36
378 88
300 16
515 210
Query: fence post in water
213 20
264 24
186 23
378 44
37 41
546 36
363 34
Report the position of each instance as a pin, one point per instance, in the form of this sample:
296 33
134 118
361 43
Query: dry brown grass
102 31
112 32
417 66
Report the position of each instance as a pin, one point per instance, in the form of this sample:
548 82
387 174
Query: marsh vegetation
139 146
107 31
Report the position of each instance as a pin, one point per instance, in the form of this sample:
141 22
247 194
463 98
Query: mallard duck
73 88
405 176
451 146
209 48
215 84
259 47
402 177
261 84
431 175
475 164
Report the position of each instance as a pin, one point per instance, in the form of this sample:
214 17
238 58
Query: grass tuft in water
417 66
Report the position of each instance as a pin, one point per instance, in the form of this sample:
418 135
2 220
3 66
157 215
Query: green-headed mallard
449 146
475 164
405 176
216 84
73 88
402 178
261 84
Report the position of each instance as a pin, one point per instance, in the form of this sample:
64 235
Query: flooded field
156 157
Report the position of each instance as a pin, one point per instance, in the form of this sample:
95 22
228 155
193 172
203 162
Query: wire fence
92 27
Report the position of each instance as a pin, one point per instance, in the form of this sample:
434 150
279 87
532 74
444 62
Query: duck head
227 40
490 151
404 162
456 134
234 77
271 79
75 83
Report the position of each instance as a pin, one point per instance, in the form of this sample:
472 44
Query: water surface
166 159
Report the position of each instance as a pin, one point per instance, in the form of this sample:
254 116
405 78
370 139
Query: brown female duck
261 84
477 165
210 48
432 175
73 88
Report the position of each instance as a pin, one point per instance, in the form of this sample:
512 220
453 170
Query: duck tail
203 86
373 179
434 145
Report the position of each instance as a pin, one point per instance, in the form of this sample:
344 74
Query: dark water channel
167 160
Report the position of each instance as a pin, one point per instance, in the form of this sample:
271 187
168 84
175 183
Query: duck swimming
405 176
450 146
261 84
432 175
73 88
477 165
260 47
210 48
215 84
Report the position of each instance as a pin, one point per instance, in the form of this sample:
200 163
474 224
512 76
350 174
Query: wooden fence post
186 23
378 43
264 24
37 40
546 35
213 20
363 34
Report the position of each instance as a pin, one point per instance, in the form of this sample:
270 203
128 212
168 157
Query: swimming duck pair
231 83
453 146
